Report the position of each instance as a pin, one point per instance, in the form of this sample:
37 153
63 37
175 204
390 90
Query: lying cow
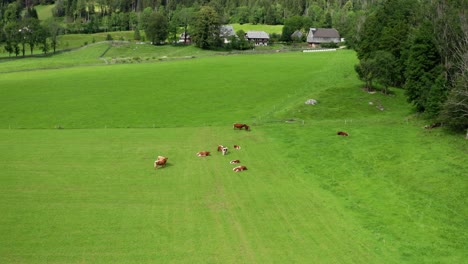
433 125
203 153
234 161
237 147
239 168
160 162
224 150
341 133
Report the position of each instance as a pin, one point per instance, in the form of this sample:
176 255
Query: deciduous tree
206 28
157 29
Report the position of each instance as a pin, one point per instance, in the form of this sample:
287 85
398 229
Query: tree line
166 17
421 46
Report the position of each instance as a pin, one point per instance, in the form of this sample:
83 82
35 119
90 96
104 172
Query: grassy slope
163 94
267 28
44 12
390 193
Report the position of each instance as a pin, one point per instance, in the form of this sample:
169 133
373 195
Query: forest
420 46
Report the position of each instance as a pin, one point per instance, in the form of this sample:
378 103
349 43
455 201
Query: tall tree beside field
454 52
185 18
206 28
13 38
290 25
387 29
424 74
157 29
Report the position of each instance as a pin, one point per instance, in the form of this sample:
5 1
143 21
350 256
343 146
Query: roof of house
297 34
227 31
257 35
322 33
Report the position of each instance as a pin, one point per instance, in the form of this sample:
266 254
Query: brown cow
237 147
239 168
220 148
160 162
341 133
240 126
203 153
234 161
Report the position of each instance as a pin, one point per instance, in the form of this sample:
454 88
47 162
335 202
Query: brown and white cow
160 162
237 147
341 133
234 161
224 150
239 168
203 153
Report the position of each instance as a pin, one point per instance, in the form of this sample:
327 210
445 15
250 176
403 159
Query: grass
97 97
259 27
391 192
44 12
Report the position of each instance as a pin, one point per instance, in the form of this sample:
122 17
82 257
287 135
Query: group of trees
91 16
421 46
21 27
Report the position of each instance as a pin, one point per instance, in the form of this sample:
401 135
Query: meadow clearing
77 182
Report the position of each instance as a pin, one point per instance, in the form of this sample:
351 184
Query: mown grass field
391 192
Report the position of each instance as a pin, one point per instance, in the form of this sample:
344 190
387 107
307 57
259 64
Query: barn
318 36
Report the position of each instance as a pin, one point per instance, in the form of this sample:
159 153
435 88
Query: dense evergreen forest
420 45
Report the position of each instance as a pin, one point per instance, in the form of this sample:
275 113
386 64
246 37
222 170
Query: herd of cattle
161 160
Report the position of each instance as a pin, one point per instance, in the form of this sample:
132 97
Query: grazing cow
237 147
234 161
341 133
224 150
220 148
239 168
160 162
203 153
240 126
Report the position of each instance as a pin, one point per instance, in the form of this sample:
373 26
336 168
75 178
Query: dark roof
297 34
322 33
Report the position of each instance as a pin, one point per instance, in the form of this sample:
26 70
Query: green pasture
220 90
44 11
270 29
77 147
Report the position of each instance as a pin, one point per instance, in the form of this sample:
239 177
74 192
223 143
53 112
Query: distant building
259 38
297 35
319 36
226 32
185 38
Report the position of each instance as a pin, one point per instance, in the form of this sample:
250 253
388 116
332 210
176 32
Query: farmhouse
260 38
319 36
226 32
